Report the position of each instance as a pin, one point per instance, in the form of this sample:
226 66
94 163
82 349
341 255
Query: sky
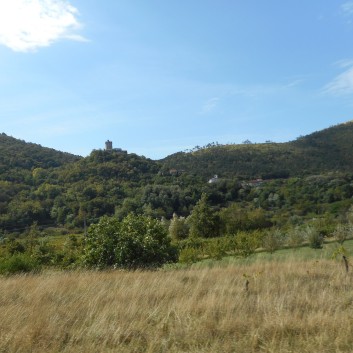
161 76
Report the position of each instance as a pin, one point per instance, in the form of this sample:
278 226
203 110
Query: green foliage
341 233
18 263
101 241
235 218
189 255
295 237
203 221
217 249
135 242
47 190
340 251
273 240
178 228
247 243
14 247
68 255
320 152
43 253
314 237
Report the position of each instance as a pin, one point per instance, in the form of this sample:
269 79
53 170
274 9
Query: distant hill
17 155
104 166
323 151
53 188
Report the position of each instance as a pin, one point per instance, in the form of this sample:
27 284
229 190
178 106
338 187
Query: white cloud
344 63
347 8
210 105
26 25
342 84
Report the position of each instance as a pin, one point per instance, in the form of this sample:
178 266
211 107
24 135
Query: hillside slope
18 157
324 151
52 188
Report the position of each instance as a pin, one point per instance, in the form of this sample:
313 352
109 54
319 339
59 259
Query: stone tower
108 145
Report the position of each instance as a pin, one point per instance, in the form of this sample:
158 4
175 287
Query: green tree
296 237
32 237
203 221
314 237
101 242
178 228
246 243
135 242
341 233
272 240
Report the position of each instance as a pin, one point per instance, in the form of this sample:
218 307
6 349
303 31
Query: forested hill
17 156
42 185
327 150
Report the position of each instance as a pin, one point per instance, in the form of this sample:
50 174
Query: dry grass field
289 307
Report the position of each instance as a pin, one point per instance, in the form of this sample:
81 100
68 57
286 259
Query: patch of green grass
304 253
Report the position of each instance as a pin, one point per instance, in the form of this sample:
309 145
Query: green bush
134 242
203 220
15 247
18 263
295 238
341 233
178 228
189 255
217 249
273 240
314 238
247 243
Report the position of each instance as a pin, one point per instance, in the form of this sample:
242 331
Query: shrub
18 263
217 249
247 243
272 240
295 238
203 220
15 247
341 233
314 237
189 255
178 228
43 253
135 242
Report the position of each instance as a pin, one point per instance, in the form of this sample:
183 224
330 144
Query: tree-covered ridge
76 192
310 176
17 156
324 151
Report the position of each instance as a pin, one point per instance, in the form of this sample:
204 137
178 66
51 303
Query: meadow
291 304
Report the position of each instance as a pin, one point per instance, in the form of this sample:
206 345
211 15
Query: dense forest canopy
310 176
324 151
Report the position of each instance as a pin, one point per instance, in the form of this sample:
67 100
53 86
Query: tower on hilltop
108 145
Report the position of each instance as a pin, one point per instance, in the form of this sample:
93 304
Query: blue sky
161 76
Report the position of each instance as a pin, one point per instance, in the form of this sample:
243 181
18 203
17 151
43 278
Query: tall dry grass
289 307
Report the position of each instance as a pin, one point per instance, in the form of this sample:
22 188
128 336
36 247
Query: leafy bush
217 249
247 243
203 220
295 238
178 228
43 253
189 255
18 263
15 247
314 238
341 233
135 242
272 240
